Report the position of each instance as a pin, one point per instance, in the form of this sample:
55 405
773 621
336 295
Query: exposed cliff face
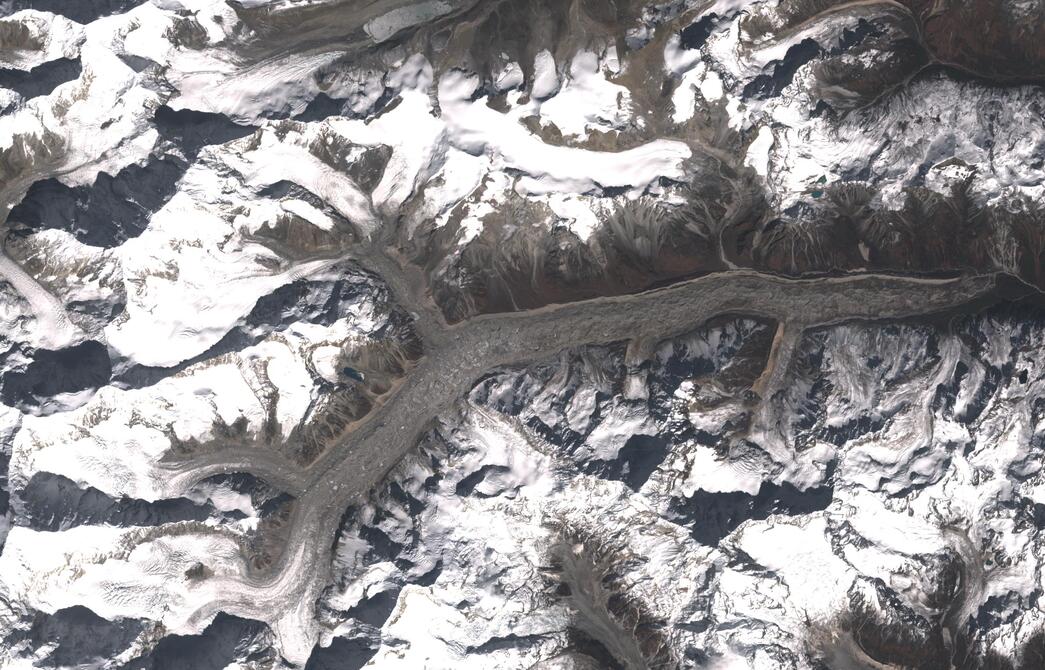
646 512
237 234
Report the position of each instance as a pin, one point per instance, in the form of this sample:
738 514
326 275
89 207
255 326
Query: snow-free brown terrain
521 334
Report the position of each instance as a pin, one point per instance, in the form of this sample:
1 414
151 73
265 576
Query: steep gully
456 356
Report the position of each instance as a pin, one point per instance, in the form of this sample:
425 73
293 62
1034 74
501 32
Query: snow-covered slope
238 233
553 517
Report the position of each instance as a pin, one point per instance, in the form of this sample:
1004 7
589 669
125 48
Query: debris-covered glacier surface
522 334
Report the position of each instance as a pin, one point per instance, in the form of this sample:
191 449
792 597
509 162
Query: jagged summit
521 334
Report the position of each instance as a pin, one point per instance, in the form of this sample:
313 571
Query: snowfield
248 420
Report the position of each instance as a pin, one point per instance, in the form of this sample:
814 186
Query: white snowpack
545 77
276 160
478 129
800 556
61 38
709 472
758 152
118 572
114 442
587 100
